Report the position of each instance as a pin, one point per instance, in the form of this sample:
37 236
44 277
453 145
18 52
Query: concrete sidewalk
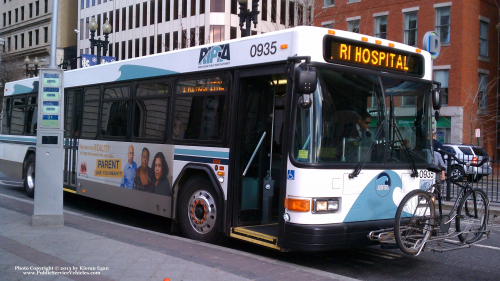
91 249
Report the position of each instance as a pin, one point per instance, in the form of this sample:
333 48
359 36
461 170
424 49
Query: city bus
303 139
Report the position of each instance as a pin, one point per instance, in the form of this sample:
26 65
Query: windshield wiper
365 157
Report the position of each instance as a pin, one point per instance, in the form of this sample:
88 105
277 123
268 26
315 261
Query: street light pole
34 71
106 29
248 16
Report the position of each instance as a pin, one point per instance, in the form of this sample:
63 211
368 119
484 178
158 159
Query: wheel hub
202 212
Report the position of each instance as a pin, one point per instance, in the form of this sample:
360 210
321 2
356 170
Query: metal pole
448 182
53 39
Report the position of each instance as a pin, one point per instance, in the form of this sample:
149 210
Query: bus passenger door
72 128
258 157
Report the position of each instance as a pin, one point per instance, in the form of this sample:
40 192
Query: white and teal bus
303 139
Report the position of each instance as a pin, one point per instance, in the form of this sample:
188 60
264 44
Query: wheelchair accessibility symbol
291 175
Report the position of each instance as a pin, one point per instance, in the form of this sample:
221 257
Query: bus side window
200 108
115 111
31 116
150 110
18 115
90 113
6 117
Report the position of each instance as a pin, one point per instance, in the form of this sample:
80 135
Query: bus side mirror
436 99
305 84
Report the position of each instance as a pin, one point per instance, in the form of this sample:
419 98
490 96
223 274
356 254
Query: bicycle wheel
414 221
470 224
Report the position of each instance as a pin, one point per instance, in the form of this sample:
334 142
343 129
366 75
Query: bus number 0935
263 49
426 174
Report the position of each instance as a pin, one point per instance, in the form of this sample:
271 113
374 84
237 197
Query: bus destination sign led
341 50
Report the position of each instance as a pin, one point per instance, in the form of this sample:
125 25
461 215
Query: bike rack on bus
437 242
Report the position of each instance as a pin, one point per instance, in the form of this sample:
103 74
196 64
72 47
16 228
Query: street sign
478 133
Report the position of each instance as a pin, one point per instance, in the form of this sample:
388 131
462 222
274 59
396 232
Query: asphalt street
479 262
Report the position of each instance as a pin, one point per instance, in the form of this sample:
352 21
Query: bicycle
416 222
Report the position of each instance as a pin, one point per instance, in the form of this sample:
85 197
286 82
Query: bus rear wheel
29 172
199 211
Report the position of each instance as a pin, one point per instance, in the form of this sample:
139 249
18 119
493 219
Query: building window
327 3
4 19
202 7
137 15
381 27
15 42
87 30
175 41
159 48
482 93
151 44
117 50
16 15
129 49
291 14
327 24
176 9
130 16
193 7
10 17
217 6
353 1
264 10
152 12
46 6
283 12
483 38
201 34
137 50
22 41
442 77
233 32
37 8
45 34
216 33
410 28
22 13
192 37
111 21
144 45
30 38
145 14
184 8
167 42
443 24
184 38
167 10
31 10
160 11
353 25
123 51
273 10
37 34
82 4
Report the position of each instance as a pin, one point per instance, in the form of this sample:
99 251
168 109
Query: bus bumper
308 237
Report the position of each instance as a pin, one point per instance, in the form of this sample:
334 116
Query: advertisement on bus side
139 166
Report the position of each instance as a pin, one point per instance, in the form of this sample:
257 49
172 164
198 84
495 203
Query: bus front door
72 127
258 159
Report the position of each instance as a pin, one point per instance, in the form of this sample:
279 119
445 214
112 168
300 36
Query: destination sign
50 107
50 121
51 79
50 93
346 51
201 86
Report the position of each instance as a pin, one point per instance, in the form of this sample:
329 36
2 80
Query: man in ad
129 170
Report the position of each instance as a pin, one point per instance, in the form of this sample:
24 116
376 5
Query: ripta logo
215 54
383 184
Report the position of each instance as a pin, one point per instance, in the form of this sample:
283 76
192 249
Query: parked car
470 154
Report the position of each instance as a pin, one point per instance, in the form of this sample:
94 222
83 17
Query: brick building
467 66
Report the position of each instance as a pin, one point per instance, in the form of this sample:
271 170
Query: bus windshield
358 117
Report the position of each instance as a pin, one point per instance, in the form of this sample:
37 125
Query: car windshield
361 116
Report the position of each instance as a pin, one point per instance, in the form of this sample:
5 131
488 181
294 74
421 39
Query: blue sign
91 60
291 175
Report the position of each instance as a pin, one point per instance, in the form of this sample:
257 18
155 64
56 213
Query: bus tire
199 211
29 175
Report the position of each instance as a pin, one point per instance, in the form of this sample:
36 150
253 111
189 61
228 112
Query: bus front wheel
29 172
199 211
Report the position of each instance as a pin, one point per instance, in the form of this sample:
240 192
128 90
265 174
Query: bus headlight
325 205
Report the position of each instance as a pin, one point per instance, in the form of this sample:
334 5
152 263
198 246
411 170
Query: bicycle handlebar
485 158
